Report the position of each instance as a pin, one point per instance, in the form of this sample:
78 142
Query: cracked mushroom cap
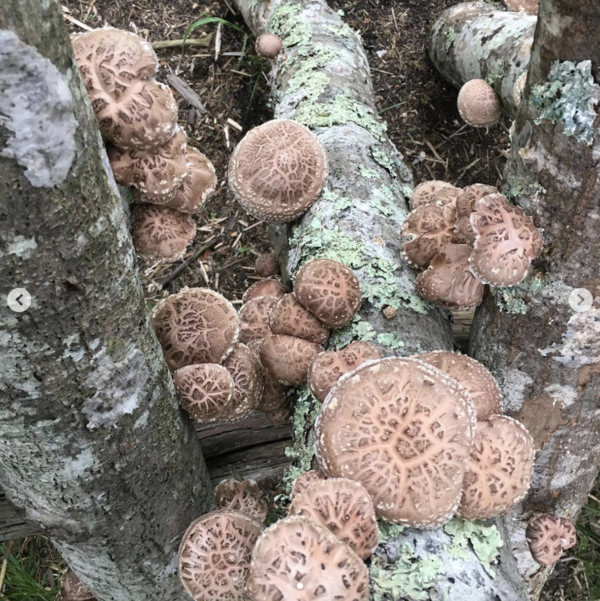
465 205
215 554
289 317
247 376
288 358
254 318
328 367
446 196
448 280
196 325
266 265
506 243
268 287
549 536
297 559
278 171
268 45
423 192
499 468
329 290
156 172
531 7
404 430
345 508
474 377
478 103
205 390
72 589
428 228
303 481
161 234
243 496
274 401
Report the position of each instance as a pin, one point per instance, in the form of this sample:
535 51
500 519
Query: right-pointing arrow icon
581 300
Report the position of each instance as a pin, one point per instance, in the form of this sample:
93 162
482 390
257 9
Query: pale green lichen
369 173
485 541
517 186
569 97
451 37
507 302
287 24
408 578
387 530
384 160
390 340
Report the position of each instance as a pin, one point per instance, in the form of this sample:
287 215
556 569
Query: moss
484 540
388 530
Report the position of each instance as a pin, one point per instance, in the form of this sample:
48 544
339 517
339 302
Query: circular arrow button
581 300
18 300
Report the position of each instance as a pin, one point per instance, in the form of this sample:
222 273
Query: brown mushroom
266 265
72 589
473 376
248 383
329 290
196 325
280 416
205 390
288 358
428 228
465 205
161 234
215 554
254 318
303 481
499 469
507 241
243 496
549 536
278 170
446 196
268 287
423 192
274 401
328 367
156 172
448 280
268 45
530 7
404 430
345 508
478 103
289 317
299 560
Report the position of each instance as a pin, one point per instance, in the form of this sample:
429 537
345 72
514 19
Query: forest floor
232 83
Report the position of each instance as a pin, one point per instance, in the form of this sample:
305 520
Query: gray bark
93 447
474 40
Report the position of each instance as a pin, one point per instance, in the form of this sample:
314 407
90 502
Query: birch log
474 40
93 447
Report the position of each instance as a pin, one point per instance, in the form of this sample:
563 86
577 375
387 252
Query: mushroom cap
506 243
549 536
247 376
274 401
196 325
267 265
474 377
478 103
328 367
280 416
345 508
267 287
499 468
329 290
423 192
404 430
268 45
160 233
243 496
531 7
465 205
446 196
303 481
288 358
205 390
72 589
448 280
215 554
254 318
278 170
156 172
428 228
289 317
297 559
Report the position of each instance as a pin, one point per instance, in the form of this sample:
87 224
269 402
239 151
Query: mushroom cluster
463 239
148 151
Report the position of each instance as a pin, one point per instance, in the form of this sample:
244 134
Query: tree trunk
477 41
93 446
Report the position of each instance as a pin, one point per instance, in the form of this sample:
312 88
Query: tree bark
477 41
93 447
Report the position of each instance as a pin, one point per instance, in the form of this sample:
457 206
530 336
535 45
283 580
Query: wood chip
186 91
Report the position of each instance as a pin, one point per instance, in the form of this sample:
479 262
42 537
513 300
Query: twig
204 42
187 262
77 22
5 563
186 91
